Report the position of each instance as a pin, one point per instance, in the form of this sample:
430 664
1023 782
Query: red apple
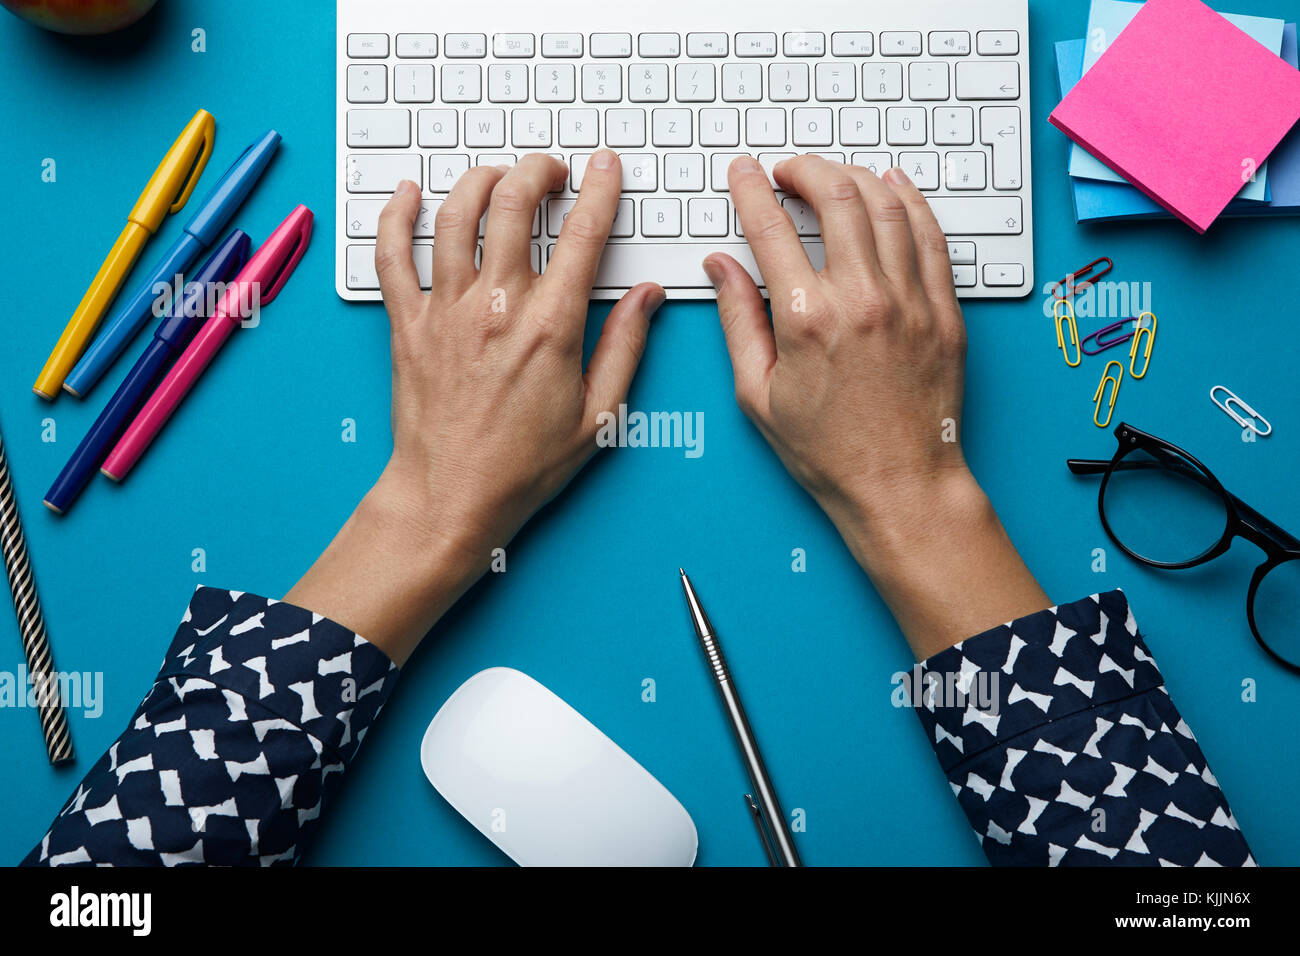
80 16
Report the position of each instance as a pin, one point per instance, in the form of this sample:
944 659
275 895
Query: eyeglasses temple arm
1087 466
1284 538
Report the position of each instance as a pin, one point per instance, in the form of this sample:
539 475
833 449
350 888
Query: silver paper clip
1231 402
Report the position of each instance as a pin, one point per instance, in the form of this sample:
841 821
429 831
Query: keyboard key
860 125
511 45
363 218
719 127
949 43
878 163
562 44
811 126
695 83
964 276
647 82
804 44
805 220
462 83
495 159
718 177
684 172
507 83
708 217
706 44
755 44
678 264
672 127
485 129
964 170
661 217
978 215
788 82
469 45
659 44
602 83
988 80
361 272
905 125
368 44
611 44
640 172
997 42
836 81
579 127
554 83
1000 128
530 129
381 172
927 81
954 126
413 83
1004 273
367 83
445 169
851 44
769 162
742 82
624 127
961 253
882 81
922 168
436 129
417 45
764 126
379 128
900 43
557 210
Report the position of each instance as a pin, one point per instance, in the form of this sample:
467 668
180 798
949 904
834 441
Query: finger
891 226
750 341
507 241
455 228
768 229
930 243
398 281
620 347
836 198
572 266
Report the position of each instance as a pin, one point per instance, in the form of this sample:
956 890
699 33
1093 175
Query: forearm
941 559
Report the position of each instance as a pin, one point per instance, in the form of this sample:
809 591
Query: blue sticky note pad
1106 20
1096 201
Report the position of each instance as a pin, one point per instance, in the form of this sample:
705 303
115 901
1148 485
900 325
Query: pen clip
760 824
300 221
207 134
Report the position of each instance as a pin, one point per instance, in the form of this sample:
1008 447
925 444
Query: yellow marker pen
167 191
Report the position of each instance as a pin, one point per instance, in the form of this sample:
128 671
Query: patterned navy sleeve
1063 747
257 710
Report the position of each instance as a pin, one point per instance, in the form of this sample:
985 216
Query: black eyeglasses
1164 508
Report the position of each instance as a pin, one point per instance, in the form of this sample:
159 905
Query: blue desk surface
253 471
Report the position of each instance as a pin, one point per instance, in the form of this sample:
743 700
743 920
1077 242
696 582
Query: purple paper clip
1102 346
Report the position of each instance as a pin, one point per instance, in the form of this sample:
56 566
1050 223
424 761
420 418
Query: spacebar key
978 215
677 265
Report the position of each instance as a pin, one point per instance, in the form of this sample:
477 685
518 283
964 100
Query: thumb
745 325
621 344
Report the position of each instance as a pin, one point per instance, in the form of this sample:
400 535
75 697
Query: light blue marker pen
203 229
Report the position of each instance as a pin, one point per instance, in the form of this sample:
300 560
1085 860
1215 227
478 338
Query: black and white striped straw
31 623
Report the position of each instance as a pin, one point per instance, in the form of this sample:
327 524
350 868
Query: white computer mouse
544 784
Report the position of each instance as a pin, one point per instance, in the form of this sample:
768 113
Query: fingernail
714 273
896 176
504 167
745 164
405 187
604 159
654 300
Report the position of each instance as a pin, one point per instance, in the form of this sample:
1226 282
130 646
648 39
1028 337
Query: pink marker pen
269 269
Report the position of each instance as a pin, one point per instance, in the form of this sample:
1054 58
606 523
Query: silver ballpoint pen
767 813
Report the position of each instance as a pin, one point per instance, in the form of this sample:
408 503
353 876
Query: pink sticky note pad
1182 104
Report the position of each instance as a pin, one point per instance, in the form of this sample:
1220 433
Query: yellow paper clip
1139 329
1101 389
1063 321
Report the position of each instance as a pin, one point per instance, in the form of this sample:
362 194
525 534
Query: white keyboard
679 89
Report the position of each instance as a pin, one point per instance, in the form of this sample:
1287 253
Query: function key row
702 45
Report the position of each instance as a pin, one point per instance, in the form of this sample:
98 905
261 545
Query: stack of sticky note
1176 110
